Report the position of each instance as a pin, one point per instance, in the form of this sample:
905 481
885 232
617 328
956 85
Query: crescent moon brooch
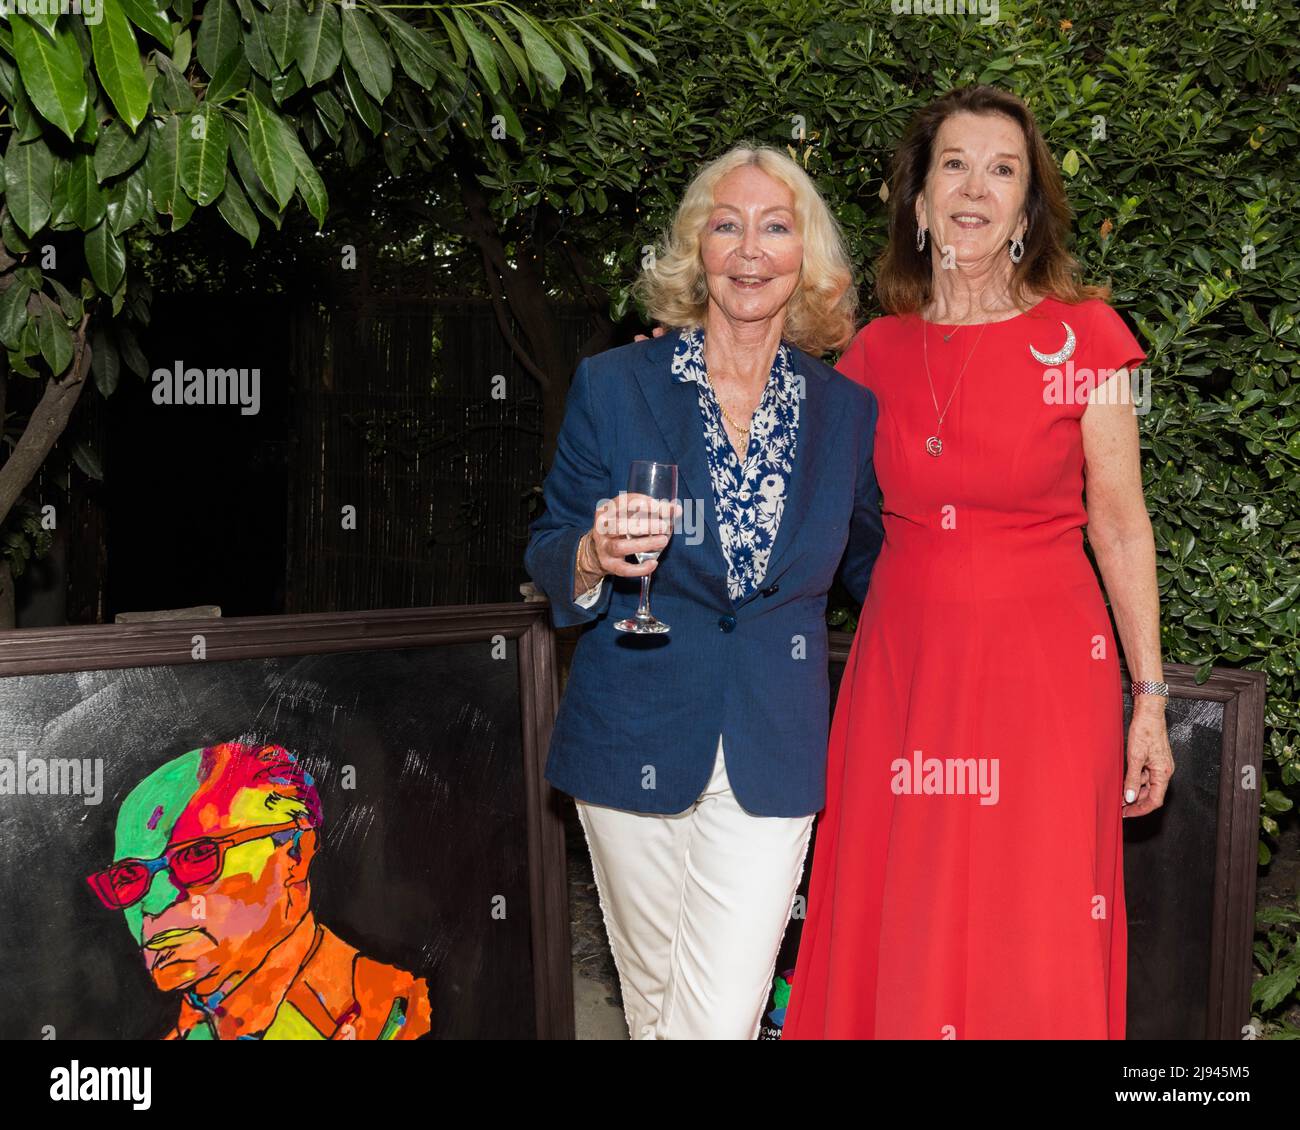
1063 354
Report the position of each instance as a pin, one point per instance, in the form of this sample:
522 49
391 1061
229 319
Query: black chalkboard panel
1169 867
1189 867
436 858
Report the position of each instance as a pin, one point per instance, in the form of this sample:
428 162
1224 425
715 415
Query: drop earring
920 238
1017 250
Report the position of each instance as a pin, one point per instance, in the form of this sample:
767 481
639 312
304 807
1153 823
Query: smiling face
751 250
974 196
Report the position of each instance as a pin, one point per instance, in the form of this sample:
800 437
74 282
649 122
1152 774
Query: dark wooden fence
414 412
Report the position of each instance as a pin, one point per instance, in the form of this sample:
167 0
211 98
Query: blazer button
727 623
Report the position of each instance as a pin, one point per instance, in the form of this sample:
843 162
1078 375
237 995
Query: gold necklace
735 424
744 431
739 427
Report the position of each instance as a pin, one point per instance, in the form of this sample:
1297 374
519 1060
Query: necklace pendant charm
934 445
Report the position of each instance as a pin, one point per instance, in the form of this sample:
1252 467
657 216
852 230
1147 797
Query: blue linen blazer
639 722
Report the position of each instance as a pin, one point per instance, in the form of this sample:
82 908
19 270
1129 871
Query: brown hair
903 273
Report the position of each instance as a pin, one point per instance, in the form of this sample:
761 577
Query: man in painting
211 865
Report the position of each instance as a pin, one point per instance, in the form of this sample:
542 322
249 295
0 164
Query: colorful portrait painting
212 874
340 844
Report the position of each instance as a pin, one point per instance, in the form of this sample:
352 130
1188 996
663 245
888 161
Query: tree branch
497 295
47 422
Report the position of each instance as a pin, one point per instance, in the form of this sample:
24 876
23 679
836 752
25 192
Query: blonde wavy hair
822 310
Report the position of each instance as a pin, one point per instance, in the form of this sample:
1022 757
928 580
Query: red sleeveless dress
967 880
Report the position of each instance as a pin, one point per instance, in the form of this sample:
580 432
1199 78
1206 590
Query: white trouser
696 904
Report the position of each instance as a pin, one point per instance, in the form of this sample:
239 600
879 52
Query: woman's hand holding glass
626 525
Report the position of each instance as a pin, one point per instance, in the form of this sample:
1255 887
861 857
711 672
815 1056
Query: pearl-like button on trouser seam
695 905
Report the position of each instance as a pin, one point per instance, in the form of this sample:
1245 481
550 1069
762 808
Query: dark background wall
382 403
195 495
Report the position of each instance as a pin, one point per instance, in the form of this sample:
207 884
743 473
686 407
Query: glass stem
643 609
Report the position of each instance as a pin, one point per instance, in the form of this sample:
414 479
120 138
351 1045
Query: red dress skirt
967 881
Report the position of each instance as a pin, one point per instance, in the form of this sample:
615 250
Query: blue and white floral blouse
748 498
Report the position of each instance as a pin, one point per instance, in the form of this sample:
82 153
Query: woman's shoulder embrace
625 358
611 374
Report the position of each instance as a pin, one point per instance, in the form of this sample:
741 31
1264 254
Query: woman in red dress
968 881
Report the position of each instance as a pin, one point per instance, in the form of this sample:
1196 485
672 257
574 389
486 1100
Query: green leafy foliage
122 130
1278 956
24 538
124 127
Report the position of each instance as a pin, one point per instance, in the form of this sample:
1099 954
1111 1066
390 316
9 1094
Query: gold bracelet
586 539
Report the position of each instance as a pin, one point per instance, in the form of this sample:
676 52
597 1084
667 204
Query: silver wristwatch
1145 686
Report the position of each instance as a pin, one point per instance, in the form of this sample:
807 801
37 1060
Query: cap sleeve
1111 345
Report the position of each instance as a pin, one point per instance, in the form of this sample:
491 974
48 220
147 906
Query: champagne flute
658 481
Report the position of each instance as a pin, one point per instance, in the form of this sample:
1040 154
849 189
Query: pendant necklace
933 444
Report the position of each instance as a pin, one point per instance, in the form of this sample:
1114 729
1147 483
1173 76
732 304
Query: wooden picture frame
173 644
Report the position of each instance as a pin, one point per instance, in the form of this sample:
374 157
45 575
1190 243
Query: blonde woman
697 757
